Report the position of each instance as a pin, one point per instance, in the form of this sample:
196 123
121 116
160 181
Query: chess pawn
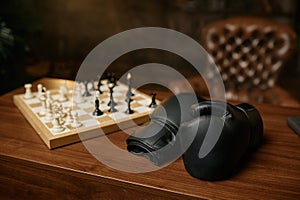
57 127
39 90
69 118
28 93
76 123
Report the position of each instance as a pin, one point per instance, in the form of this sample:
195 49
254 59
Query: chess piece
64 87
49 111
153 103
129 83
39 90
57 127
93 86
97 111
111 88
69 118
63 94
99 86
43 101
111 102
86 90
129 110
48 96
76 123
78 98
28 93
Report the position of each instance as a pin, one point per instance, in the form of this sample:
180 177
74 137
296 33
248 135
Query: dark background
52 37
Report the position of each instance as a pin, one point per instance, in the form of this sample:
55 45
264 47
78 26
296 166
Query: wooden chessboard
108 122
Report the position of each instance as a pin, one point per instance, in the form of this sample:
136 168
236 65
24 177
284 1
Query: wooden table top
273 171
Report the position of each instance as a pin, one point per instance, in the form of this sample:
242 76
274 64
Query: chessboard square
104 119
103 96
69 126
119 115
49 125
121 107
121 88
84 117
89 110
79 112
145 102
138 98
34 105
143 109
90 123
37 110
55 97
66 104
117 94
85 105
135 104
75 107
31 101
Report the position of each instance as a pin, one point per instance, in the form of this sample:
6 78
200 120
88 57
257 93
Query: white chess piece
39 90
48 96
44 107
49 111
63 94
78 98
76 123
64 87
28 93
57 127
69 118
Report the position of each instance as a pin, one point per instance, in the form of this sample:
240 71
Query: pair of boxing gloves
212 136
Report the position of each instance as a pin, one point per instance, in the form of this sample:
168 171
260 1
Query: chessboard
60 115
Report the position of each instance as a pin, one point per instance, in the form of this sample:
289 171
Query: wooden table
30 170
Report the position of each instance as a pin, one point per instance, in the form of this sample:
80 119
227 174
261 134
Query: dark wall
66 31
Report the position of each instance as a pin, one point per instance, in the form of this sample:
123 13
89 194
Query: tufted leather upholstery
249 53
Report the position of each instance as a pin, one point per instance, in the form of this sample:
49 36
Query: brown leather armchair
250 53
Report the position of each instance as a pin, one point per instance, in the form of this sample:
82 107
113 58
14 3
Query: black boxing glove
161 132
242 133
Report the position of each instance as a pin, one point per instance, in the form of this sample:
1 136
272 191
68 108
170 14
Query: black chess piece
93 86
86 90
129 83
97 111
153 103
112 106
99 86
111 88
129 110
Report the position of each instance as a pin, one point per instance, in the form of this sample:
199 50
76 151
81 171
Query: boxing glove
157 141
212 158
